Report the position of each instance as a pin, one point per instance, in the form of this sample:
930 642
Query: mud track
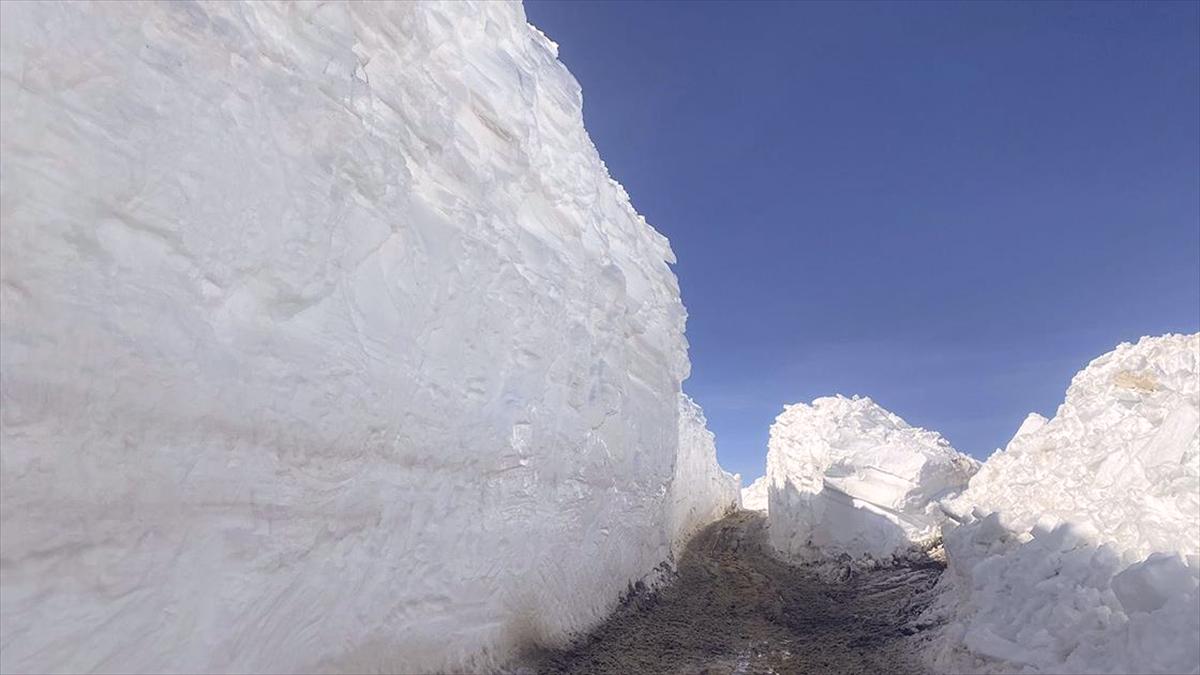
734 608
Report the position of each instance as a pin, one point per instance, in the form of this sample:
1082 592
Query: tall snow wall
328 343
711 491
1079 550
848 479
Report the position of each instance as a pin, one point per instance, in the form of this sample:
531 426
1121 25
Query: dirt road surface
734 608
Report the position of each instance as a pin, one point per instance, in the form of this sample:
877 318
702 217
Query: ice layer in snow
327 343
1079 548
847 478
754 496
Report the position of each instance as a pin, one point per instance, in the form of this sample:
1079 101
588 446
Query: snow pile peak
1079 550
847 477
754 496
327 341
1121 456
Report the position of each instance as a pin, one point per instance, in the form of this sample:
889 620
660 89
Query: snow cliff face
328 343
754 497
1080 548
848 478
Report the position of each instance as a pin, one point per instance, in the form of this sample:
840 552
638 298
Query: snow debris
850 479
328 343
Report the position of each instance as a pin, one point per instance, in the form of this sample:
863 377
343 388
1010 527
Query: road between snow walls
1071 551
1074 550
735 607
328 344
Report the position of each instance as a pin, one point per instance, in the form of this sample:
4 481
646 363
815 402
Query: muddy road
734 608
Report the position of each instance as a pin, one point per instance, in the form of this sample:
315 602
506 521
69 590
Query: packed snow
848 479
754 496
328 344
1080 548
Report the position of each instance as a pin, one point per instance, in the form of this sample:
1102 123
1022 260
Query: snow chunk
754 497
1148 586
847 477
327 343
1079 550
1053 601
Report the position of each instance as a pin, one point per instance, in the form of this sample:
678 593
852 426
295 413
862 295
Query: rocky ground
734 608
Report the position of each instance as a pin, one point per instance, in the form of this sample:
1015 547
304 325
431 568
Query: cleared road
734 608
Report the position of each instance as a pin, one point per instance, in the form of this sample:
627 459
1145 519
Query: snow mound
1121 456
754 497
1079 550
327 344
848 478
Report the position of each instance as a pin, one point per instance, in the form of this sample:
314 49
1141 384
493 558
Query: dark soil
734 608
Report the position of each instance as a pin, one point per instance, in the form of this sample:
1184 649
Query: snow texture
850 479
1080 548
754 496
327 344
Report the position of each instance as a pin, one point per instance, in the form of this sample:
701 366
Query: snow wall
848 479
704 492
328 344
754 496
1080 548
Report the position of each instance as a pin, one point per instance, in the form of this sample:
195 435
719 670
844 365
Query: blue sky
950 208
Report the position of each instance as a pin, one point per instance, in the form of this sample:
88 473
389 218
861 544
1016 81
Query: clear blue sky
950 208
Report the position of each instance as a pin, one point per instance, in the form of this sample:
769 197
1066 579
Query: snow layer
1080 548
754 496
848 478
327 343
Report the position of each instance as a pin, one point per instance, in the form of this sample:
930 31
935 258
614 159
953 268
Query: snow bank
754 497
1080 551
706 492
327 343
848 478
1120 457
